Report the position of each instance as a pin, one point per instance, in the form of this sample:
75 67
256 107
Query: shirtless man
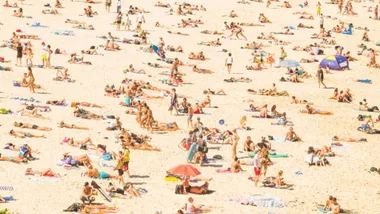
87 193
94 173
30 126
13 159
249 146
235 166
292 136
264 111
368 123
334 207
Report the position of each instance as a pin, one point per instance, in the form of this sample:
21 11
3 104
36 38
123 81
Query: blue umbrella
289 63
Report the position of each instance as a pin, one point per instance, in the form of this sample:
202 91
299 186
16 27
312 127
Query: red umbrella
185 170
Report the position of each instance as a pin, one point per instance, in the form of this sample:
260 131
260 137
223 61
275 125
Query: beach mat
6 188
8 198
44 179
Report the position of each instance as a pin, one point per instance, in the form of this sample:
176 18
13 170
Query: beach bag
73 208
3 111
178 189
218 157
31 107
120 191
106 156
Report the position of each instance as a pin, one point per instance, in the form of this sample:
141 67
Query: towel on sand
261 200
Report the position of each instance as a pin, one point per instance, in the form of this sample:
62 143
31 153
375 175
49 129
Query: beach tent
335 62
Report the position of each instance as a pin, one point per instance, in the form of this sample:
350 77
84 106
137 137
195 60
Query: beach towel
37 24
6 188
367 81
43 179
277 155
64 32
266 201
104 164
171 179
31 99
8 198
343 147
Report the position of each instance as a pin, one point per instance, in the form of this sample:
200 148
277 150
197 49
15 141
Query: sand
347 177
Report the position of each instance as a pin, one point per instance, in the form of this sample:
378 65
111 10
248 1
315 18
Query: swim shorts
103 175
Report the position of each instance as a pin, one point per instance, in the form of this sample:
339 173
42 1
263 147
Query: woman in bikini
30 126
63 125
18 134
13 159
47 172
31 80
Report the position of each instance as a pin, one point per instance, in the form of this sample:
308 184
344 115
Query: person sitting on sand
48 173
114 124
286 5
311 110
263 18
334 207
3 68
233 14
61 76
18 134
249 146
130 189
292 136
73 126
14 159
87 193
235 166
30 126
18 14
58 4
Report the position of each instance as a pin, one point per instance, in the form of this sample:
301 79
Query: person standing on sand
235 141
126 159
320 77
118 6
44 55
229 62
173 101
19 54
31 80
119 167
48 57
140 20
319 9
108 5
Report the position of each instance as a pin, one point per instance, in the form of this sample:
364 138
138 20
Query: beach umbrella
185 170
289 63
335 62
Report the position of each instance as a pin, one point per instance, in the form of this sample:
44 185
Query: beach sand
347 178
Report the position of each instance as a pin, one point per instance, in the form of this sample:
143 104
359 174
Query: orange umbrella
185 170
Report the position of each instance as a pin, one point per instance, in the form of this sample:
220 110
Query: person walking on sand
31 80
118 20
140 20
320 77
173 101
44 55
229 62
126 159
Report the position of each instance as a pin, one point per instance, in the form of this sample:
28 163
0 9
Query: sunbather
311 110
296 101
349 139
47 172
18 134
30 126
13 159
63 125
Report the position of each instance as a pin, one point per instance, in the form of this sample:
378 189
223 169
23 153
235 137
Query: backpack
73 208
3 111
178 189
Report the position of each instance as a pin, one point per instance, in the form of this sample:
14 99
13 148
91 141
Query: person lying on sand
19 134
210 92
299 48
84 208
84 114
308 60
52 11
178 33
301 13
70 21
133 70
201 70
2 68
301 25
198 56
292 136
160 4
174 49
85 104
83 144
323 151
297 101
47 172
286 5
94 173
348 139
73 126
214 43
32 113
84 27
191 208
311 110
56 102
13 159
286 32
307 17
212 32
30 126
27 153
82 160
173 126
